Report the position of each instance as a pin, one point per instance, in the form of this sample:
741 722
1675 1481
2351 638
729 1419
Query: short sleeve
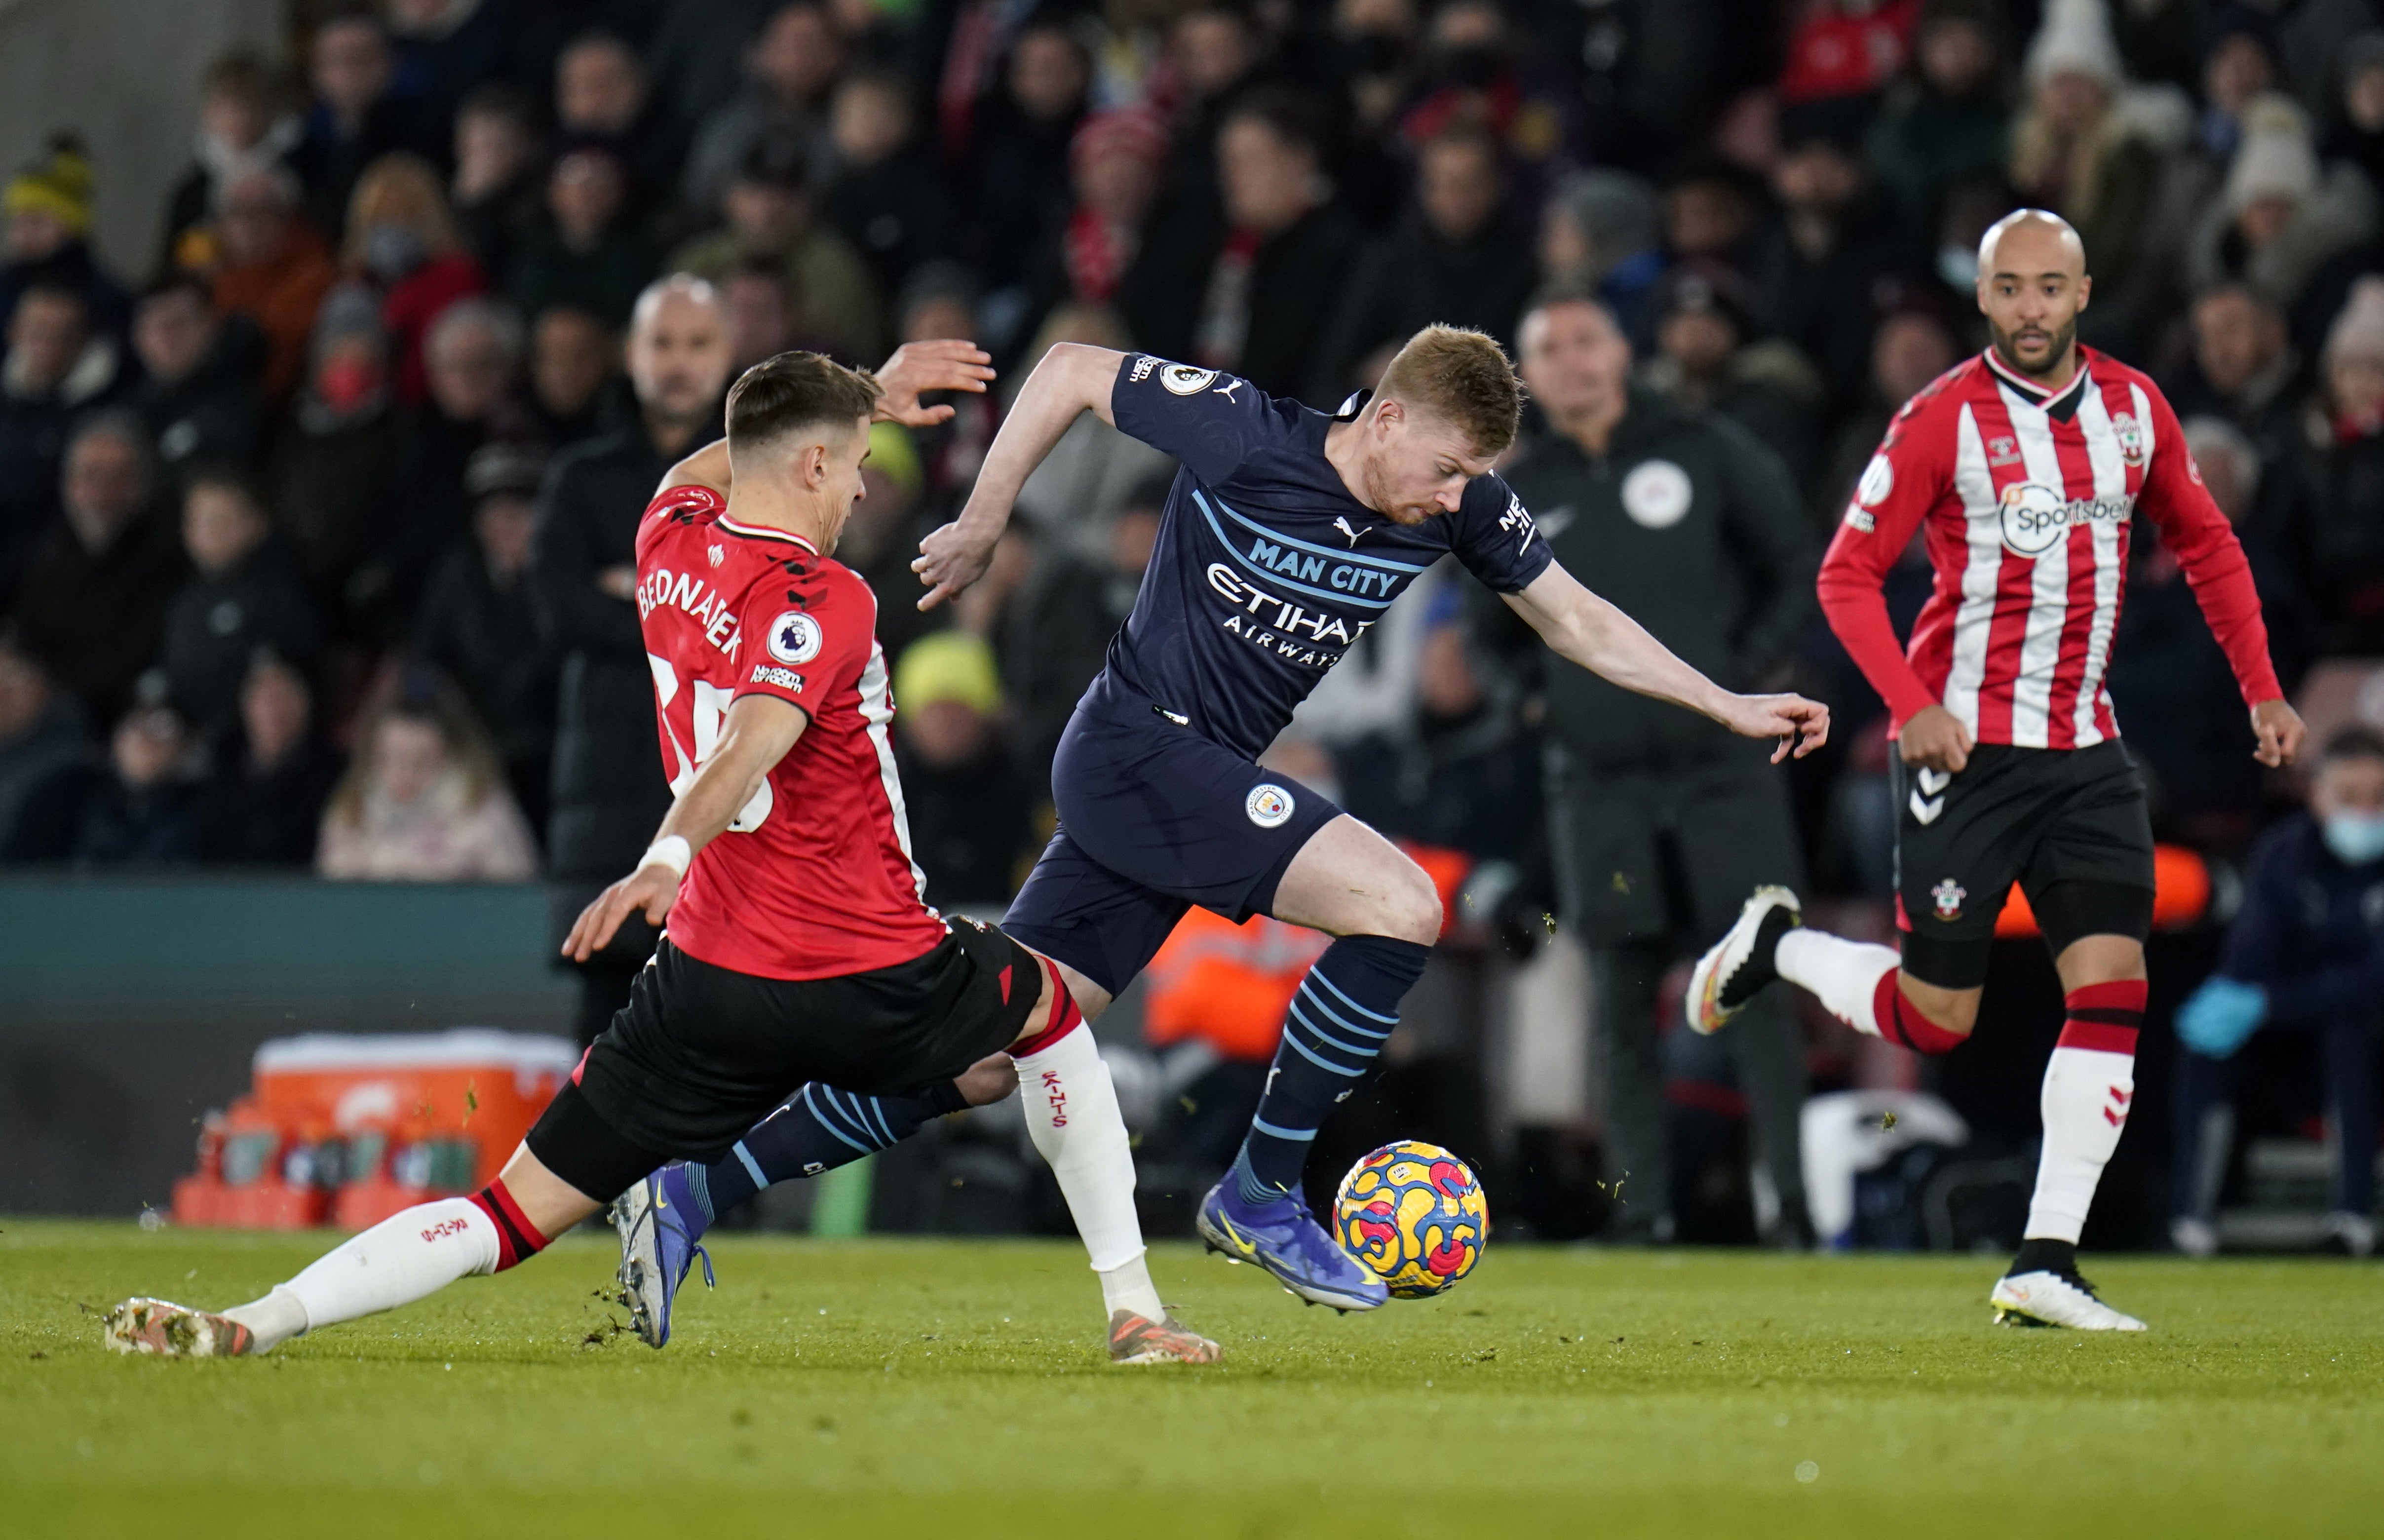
686 500
1495 537
1210 421
804 634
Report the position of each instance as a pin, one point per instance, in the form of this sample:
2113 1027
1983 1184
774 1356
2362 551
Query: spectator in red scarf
1114 163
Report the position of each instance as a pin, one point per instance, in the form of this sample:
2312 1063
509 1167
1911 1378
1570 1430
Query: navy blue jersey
1266 569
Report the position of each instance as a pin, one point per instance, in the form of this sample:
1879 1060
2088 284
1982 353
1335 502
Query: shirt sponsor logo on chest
2036 517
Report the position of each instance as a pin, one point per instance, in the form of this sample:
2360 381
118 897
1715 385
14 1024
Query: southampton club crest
2130 436
1947 896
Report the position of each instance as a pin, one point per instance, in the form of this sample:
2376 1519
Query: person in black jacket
1255 300
474 351
479 625
1454 259
609 788
145 812
200 395
247 593
262 802
885 197
48 764
1662 822
2305 954
56 370
93 606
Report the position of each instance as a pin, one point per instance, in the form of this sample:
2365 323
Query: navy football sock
1339 1020
817 1129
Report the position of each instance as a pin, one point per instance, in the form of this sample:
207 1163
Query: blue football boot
1284 1237
661 1226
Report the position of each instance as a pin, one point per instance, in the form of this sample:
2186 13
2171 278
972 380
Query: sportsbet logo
2035 518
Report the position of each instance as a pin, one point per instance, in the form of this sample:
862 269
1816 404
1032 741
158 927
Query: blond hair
399 189
1462 377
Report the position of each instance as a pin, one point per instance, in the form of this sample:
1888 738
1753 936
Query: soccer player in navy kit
1286 534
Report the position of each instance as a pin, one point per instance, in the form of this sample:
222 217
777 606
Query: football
1415 1216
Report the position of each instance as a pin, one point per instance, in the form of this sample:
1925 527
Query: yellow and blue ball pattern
1415 1216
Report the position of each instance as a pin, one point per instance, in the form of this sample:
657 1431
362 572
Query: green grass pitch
870 1389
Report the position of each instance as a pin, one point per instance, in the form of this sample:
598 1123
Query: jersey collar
753 532
2059 405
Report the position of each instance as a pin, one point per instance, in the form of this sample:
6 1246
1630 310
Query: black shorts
2069 825
1153 819
702 1054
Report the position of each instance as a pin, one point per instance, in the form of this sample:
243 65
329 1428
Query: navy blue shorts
1153 819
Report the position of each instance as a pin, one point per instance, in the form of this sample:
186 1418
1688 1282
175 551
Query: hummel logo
1926 800
1342 524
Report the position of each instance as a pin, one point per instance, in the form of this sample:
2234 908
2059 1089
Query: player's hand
2280 733
1801 725
953 557
988 1080
650 888
917 368
1935 739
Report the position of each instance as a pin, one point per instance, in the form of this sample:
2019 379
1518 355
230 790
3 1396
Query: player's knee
1954 1011
1410 910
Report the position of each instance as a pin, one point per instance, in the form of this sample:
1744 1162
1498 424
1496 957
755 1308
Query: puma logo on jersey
1341 522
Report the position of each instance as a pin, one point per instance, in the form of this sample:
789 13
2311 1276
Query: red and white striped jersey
2025 499
815 877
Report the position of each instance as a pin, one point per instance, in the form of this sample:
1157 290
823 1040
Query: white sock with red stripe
1856 982
1071 1114
2089 1083
406 1257
1843 975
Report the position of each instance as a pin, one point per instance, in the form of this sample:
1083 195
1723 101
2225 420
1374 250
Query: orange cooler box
349 1129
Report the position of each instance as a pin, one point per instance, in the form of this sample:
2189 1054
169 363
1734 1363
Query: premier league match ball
1415 1216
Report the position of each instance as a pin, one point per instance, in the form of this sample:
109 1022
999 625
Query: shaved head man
2027 466
2033 283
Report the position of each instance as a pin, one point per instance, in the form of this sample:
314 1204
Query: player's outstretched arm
1072 378
1585 629
756 733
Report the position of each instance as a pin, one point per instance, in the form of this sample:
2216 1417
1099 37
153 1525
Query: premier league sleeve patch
795 638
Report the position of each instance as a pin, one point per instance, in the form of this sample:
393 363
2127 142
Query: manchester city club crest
1269 805
1948 897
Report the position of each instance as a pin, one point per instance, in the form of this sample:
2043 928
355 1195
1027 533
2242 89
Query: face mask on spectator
392 251
2357 838
346 384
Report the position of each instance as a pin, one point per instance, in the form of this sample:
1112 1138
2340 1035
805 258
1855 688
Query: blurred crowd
315 520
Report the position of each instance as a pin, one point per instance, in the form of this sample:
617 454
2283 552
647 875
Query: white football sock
1844 974
404 1257
1071 1114
273 1320
2087 1093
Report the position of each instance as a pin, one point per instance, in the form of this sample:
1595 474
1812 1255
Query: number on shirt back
710 704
